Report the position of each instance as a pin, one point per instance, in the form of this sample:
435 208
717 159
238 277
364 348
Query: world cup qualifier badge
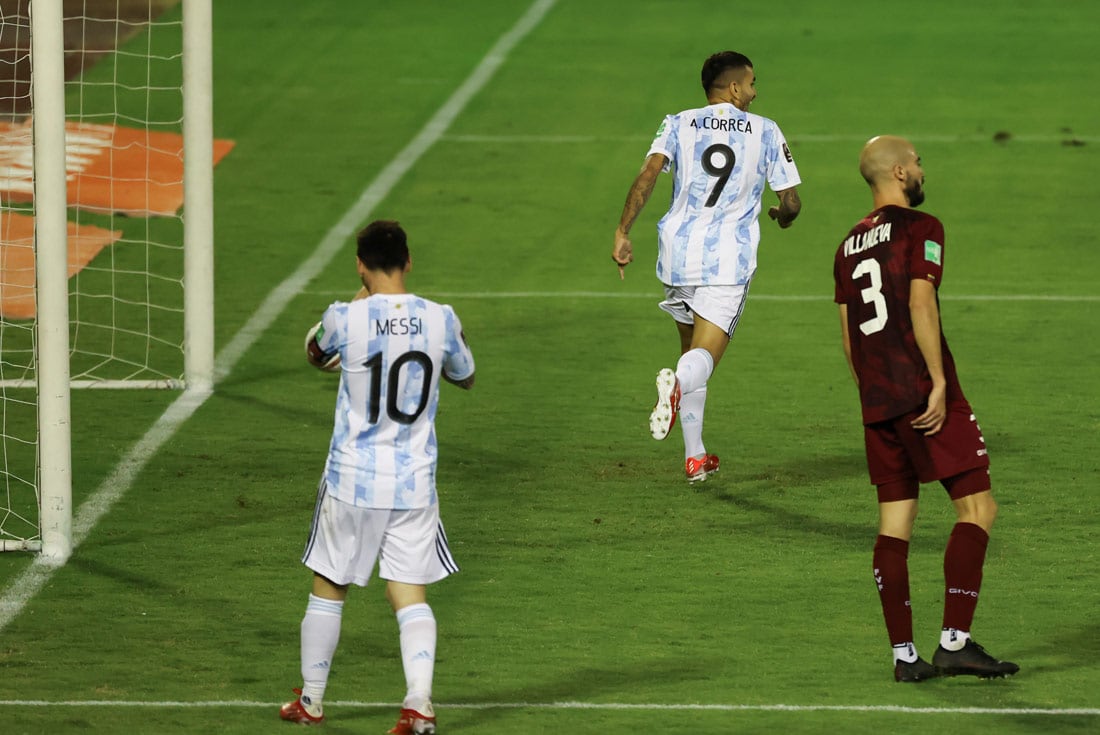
933 252
787 154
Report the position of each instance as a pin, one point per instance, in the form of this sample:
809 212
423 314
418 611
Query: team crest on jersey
787 154
933 252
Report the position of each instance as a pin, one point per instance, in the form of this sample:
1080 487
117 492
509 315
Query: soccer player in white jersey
377 498
721 156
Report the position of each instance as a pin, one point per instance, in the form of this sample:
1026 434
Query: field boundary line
657 296
27 584
622 706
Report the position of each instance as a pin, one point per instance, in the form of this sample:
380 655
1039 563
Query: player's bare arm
925 314
846 341
636 198
789 206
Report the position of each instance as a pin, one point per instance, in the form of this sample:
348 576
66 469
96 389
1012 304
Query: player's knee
988 511
896 518
979 509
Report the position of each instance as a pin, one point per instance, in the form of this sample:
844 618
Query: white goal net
127 259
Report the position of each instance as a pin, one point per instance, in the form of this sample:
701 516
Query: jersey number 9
722 169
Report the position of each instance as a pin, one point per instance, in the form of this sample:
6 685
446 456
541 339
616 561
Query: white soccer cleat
663 417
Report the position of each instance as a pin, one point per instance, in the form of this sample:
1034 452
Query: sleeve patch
933 252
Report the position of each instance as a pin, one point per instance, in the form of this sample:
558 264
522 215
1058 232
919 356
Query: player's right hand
622 253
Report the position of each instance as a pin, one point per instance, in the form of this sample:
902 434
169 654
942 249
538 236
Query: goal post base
20 545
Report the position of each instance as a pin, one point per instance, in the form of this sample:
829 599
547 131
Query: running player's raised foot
663 417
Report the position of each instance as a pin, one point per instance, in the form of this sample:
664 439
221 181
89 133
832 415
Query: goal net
135 285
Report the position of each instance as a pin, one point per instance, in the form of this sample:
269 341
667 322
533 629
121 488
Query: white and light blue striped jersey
393 349
721 157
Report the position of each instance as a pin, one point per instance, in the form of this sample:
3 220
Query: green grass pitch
592 573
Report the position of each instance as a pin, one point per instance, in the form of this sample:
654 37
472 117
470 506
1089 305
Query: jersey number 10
393 384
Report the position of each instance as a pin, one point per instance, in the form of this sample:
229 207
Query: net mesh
124 163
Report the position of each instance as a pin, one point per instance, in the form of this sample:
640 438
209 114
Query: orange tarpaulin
109 169
17 259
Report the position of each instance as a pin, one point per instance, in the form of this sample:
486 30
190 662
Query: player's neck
884 198
384 283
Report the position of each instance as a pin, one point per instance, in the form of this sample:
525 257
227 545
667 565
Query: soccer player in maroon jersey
918 425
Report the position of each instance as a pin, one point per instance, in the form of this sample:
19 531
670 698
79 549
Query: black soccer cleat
919 670
971 660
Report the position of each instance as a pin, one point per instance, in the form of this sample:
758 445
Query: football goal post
106 200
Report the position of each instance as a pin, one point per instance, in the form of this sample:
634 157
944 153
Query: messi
402 325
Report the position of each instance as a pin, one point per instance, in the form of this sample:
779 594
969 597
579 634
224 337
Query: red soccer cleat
698 469
412 722
296 712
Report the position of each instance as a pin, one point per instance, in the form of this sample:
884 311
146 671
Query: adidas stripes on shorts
346 541
719 305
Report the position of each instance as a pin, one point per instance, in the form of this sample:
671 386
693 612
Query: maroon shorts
900 457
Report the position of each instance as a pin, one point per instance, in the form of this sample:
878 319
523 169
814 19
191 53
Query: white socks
320 634
418 636
905 652
691 421
952 639
692 371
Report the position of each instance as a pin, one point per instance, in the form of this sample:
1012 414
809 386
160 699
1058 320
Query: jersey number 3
393 383
722 169
872 295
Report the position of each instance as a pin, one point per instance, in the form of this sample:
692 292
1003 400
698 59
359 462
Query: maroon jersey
873 268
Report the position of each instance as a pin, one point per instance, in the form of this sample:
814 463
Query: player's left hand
931 421
773 212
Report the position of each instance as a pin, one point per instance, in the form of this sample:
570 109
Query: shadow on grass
592 684
788 494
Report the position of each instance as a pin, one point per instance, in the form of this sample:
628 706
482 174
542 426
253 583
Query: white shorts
345 541
719 305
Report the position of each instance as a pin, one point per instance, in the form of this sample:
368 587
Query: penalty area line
608 706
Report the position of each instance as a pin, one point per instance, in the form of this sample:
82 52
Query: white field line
904 709
26 585
1063 138
657 297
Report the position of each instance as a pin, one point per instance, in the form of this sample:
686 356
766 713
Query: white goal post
51 276
47 372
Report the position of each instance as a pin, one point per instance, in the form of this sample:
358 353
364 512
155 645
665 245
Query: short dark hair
718 64
382 246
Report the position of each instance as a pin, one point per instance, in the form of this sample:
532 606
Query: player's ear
408 264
